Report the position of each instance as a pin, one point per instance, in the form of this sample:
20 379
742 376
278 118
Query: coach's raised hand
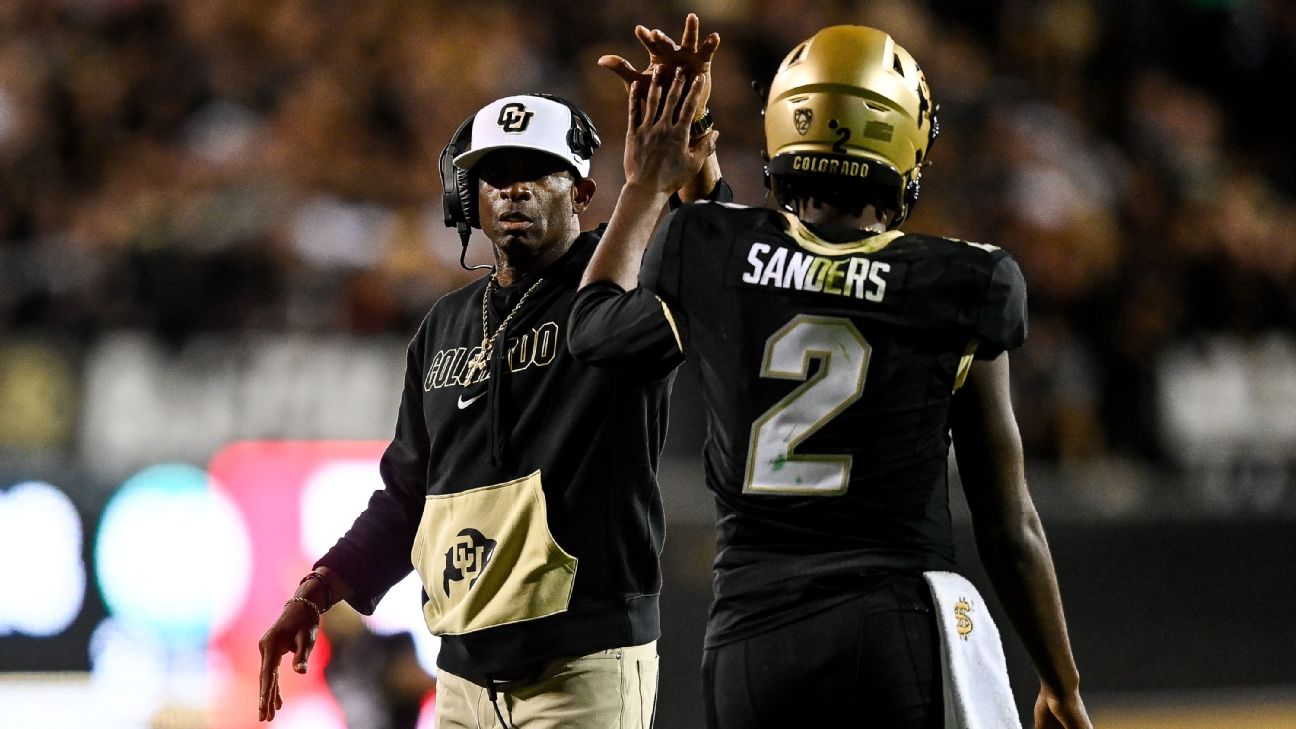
691 55
692 58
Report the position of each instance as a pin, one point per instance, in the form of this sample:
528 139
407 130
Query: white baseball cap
523 122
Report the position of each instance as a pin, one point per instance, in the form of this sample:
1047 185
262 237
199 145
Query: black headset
459 187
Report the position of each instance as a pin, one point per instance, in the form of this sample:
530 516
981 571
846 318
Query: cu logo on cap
514 117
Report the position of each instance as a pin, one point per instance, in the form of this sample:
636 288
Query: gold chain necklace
477 363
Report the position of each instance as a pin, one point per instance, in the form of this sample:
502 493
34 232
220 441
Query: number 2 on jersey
773 467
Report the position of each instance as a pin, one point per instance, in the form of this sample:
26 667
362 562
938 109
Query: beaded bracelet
317 575
311 605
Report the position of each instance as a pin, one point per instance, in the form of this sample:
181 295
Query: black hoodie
593 432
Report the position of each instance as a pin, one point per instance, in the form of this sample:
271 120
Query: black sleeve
720 193
660 272
1001 318
611 326
375 552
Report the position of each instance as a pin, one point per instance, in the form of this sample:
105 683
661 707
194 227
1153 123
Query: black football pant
873 661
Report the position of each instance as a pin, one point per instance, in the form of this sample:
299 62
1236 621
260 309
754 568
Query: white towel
977 695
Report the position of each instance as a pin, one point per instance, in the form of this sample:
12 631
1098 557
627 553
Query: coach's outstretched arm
1010 538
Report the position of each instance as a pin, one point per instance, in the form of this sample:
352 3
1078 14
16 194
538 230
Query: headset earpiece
459 191
458 199
583 137
466 187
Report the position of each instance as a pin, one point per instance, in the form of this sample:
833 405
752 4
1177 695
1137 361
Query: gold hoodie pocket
487 558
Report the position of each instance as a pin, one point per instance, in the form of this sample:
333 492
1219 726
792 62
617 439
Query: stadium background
220 221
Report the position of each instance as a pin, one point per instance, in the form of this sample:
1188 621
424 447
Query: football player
839 357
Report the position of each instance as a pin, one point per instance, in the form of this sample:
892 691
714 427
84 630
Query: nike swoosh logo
465 403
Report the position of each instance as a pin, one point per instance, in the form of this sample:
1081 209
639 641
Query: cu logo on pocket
466 558
514 117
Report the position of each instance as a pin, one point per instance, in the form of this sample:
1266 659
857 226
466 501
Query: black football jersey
827 370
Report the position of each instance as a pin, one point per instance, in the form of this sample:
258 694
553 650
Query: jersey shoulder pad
721 203
722 216
986 281
1001 316
983 255
712 210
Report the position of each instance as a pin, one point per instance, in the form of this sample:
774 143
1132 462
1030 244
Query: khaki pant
611 689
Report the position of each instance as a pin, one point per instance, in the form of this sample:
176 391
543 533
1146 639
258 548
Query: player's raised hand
690 54
659 152
1055 710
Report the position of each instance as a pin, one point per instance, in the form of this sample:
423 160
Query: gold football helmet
850 107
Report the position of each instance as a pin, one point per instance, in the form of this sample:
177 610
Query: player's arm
694 57
614 321
1010 537
636 329
659 158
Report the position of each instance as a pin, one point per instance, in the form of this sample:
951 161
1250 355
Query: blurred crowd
193 167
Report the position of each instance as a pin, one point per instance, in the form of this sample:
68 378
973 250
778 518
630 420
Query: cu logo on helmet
802 118
514 117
